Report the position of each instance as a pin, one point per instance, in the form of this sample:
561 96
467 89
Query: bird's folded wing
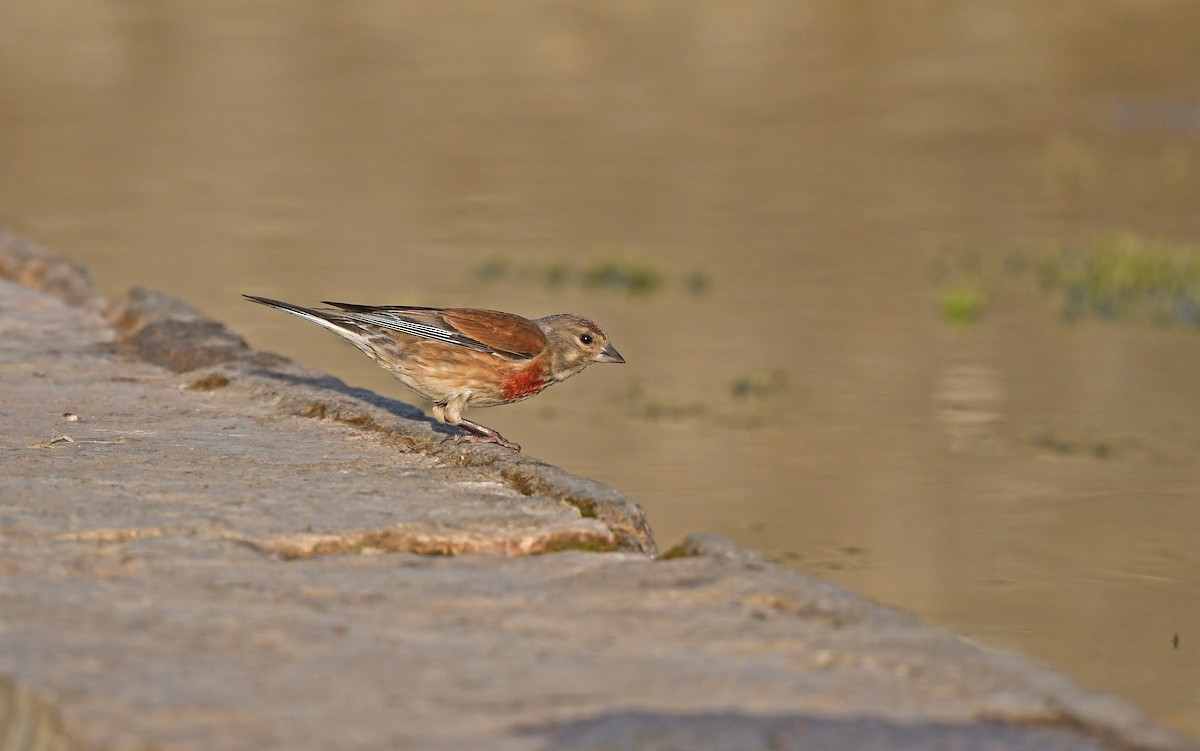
504 334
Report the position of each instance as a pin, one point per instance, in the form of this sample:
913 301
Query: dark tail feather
278 304
352 308
343 326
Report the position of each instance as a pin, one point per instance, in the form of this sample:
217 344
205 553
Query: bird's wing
504 334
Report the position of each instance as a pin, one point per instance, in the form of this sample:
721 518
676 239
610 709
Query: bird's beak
609 354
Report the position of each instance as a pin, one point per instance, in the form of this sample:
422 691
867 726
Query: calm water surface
806 179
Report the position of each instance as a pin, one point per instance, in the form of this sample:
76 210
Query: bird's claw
497 439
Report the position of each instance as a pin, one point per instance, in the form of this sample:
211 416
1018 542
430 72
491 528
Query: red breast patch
523 384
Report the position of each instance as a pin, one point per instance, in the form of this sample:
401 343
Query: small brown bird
464 357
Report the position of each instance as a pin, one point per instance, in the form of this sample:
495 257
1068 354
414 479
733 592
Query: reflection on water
780 185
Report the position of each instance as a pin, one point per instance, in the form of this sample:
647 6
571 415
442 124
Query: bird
465 357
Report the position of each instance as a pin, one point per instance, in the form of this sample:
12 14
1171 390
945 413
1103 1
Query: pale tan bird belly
444 374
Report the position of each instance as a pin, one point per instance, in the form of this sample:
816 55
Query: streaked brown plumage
465 357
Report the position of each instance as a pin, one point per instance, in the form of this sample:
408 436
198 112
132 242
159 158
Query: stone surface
203 546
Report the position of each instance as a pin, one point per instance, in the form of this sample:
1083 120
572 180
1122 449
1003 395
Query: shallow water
803 180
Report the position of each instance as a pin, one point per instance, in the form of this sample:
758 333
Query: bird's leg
477 433
450 413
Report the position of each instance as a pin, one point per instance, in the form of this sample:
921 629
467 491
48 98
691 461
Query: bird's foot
477 433
497 439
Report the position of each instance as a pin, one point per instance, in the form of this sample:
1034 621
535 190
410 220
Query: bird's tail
329 319
319 317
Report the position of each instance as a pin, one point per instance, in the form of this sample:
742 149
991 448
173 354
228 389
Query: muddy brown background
798 183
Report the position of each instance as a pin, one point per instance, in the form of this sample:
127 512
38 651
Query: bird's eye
585 338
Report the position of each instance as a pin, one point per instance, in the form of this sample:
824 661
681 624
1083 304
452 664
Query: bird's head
573 343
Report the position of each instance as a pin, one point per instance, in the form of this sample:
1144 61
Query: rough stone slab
148 337
193 643
155 455
168 579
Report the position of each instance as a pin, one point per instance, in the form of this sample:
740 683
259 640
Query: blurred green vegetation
965 280
759 384
1118 277
962 304
749 401
1075 167
1126 277
632 276
1095 447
